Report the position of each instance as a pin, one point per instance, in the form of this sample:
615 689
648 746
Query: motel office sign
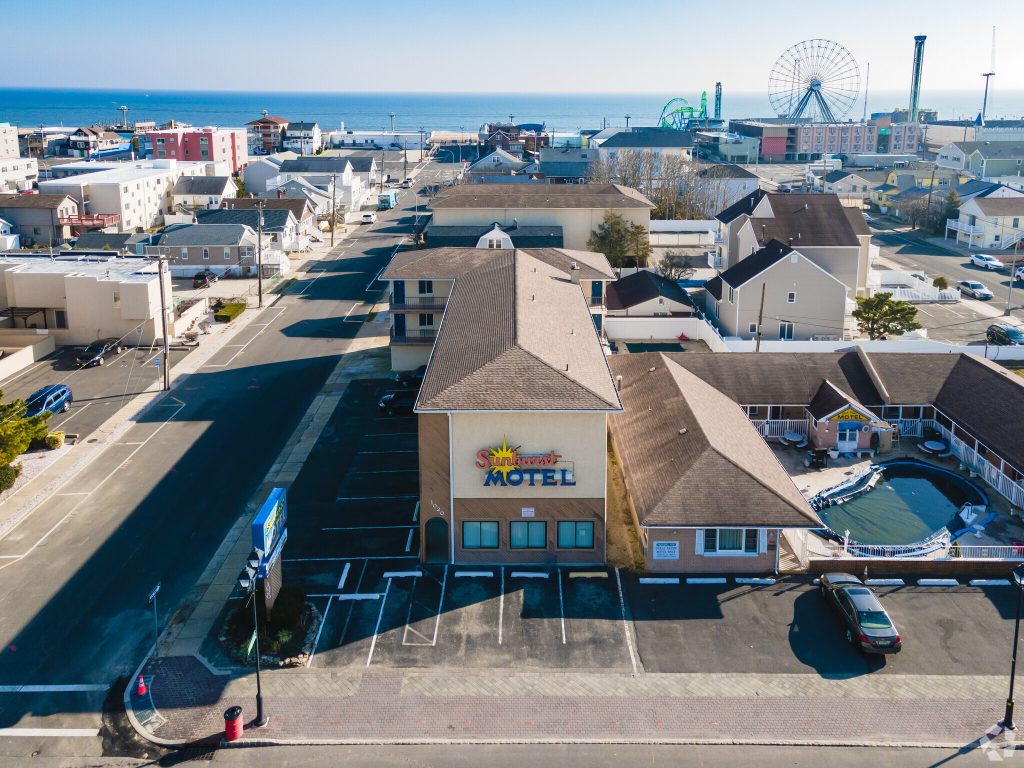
505 466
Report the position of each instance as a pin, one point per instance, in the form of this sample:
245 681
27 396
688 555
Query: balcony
420 336
959 226
91 220
419 304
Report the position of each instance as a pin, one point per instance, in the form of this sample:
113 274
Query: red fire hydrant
233 723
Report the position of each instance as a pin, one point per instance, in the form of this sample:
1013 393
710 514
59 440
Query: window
730 294
60 318
786 331
575 535
730 541
426 287
184 253
494 243
479 534
528 534
752 328
227 254
206 253
791 298
426 320
597 292
117 298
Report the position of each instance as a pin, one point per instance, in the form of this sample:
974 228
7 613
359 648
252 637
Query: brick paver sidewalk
456 705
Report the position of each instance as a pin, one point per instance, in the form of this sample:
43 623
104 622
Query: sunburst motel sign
506 466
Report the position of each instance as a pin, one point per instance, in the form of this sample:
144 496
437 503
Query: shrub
229 312
289 608
53 441
8 475
941 283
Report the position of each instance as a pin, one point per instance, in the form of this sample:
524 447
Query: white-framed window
227 254
731 294
786 330
206 253
752 328
791 297
426 287
426 320
731 542
184 253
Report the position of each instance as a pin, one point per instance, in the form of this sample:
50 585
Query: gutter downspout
451 492
778 547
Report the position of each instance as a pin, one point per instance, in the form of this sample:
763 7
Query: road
155 506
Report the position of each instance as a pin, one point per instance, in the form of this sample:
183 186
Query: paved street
156 504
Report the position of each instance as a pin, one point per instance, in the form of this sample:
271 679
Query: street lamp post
1013 277
247 581
156 625
1018 577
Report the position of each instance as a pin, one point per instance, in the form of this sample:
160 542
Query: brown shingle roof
516 335
297 205
1000 206
690 456
828 399
32 201
447 263
806 220
542 196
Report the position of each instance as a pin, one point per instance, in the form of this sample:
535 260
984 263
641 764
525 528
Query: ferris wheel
818 79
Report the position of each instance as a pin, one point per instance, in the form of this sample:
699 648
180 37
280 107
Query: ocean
366 111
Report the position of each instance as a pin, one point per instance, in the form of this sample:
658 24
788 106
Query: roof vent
682 431
618 382
652 369
566 367
574 273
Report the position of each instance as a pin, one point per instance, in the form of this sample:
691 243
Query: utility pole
421 143
1013 274
928 206
405 159
334 210
760 317
163 321
628 118
260 205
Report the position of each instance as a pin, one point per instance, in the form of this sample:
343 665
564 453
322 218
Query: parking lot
353 548
99 392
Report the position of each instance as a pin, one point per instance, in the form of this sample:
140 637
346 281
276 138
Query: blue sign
270 524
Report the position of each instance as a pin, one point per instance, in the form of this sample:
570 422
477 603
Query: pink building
209 144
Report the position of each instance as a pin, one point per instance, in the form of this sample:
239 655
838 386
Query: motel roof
542 196
690 456
517 335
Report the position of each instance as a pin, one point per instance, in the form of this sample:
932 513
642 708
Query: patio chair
803 442
922 449
947 454
784 442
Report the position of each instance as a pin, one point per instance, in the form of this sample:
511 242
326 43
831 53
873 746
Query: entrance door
848 436
436 540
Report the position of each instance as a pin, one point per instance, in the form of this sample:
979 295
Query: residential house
122 243
321 200
566 165
349 179
660 142
955 154
88 141
997 158
504 136
193 192
303 137
497 163
209 144
78 302
647 294
421 286
852 186
18 174
41 220
887 196
300 208
577 209
220 248
726 147
493 236
279 226
989 222
9 239
266 135
261 175
365 168
719 185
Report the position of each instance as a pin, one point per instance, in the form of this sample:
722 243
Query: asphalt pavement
155 506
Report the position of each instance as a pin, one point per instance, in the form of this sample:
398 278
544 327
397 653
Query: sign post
269 534
156 625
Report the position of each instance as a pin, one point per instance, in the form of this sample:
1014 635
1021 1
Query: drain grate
194 754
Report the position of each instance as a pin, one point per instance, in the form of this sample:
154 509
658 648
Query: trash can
233 723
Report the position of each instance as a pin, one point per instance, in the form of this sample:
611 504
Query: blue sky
440 45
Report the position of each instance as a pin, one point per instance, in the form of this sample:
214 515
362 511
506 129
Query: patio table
794 437
934 446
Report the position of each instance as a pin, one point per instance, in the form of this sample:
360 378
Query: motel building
513 409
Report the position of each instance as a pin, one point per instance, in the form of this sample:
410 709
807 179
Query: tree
672 266
625 244
940 282
880 316
17 432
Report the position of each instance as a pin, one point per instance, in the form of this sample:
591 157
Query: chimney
618 382
574 273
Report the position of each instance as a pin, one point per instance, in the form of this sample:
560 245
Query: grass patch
624 550
228 312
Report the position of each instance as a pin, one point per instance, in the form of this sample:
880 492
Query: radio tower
915 79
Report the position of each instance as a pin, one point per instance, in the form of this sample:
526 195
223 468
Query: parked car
784 188
204 279
985 261
975 289
98 351
369 218
868 626
398 402
410 378
55 398
406 182
1005 335
1019 274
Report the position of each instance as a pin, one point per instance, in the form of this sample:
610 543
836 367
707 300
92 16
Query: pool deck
1003 530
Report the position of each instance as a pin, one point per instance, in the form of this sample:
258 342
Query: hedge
8 475
229 312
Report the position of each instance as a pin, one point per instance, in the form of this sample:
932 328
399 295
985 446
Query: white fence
910 427
970 458
775 428
906 286
663 329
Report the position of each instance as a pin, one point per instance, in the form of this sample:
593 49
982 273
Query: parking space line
250 341
416 512
352 605
380 616
529 575
625 623
501 604
475 574
358 596
368 527
77 411
408 541
344 575
561 606
316 640
440 605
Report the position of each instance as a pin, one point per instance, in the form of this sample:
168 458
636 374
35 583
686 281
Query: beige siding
691 562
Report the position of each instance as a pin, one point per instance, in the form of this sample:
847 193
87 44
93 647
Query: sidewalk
450 706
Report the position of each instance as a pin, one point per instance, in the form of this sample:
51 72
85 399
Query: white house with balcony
304 138
990 222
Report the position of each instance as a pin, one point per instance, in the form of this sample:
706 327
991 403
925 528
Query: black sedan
410 378
98 351
398 402
868 626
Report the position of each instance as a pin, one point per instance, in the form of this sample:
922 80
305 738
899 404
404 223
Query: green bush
289 608
53 441
229 312
8 475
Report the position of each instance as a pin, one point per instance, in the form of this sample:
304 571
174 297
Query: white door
848 436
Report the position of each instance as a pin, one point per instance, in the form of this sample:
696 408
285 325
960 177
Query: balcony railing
421 336
91 220
959 226
419 303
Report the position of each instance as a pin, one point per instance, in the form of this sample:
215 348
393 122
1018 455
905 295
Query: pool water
654 346
909 503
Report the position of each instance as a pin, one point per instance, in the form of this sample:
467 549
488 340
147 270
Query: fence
906 286
909 427
970 458
776 428
986 552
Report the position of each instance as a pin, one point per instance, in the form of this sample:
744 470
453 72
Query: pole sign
505 466
269 529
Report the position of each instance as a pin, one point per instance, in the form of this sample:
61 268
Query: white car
975 290
369 218
985 261
1019 274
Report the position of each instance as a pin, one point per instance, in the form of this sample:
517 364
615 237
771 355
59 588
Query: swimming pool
654 346
909 502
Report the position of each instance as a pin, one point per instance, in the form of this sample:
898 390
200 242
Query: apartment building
229 145
303 137
266 135
8 141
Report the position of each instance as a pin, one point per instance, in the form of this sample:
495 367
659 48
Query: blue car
56 398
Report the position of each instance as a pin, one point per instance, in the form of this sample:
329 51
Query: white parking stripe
55 733
659 580
344 575
316 640
440 605
408 542
380 616
625 623
402 575
475 574
529 575
989 582
561 606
